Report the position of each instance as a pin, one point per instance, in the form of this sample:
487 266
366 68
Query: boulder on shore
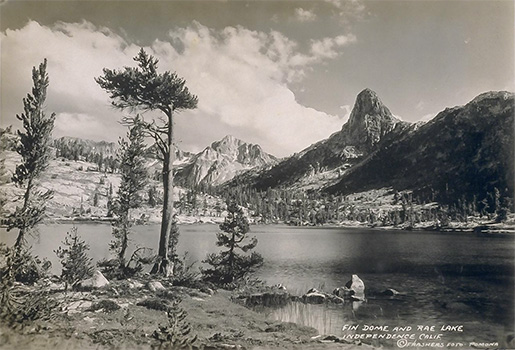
96 281
391 292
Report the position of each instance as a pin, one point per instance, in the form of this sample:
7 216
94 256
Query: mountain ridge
221 161
464 150
369 124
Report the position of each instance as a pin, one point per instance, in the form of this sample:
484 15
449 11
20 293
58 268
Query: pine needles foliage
77 265
229 266
176 334
20 306
34 149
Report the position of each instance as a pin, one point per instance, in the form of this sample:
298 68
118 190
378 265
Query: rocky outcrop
314 296
154 286
343 292
370 121
268 299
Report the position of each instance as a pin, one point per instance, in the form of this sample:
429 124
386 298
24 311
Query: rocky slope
463 151
221 161
370 125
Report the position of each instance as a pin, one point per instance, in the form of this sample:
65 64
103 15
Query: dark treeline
74 149
297 207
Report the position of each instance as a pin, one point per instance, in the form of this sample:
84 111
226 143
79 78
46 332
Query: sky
281 74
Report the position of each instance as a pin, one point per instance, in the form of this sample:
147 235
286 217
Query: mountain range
464 155
214 165
464 151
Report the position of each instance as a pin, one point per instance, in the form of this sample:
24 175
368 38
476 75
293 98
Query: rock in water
391 292
97 281
357 286
314 297
343 292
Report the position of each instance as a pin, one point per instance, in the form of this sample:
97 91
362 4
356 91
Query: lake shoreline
487 227
135 315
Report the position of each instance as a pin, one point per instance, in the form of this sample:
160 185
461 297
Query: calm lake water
447 278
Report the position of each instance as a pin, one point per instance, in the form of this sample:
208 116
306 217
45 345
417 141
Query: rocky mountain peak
222 160
369 121
368 104
228 144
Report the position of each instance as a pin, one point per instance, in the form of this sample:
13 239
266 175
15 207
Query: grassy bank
127 315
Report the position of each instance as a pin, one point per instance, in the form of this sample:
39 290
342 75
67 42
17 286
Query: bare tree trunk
21 234
125 241
163 266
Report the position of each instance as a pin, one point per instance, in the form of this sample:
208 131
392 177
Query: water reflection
445 277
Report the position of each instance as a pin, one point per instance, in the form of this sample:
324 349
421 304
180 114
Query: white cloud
330 47
348 10
304 15
240 76
76 53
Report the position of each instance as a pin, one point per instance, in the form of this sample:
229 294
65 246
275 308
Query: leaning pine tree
144 89
34 149
229 265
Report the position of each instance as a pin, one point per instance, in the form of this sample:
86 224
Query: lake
446 278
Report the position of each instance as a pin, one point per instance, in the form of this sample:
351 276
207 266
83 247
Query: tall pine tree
143 88
34 149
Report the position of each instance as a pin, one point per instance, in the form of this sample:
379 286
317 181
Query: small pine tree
134 177
496 201
228 266
95 199
177 333
74 258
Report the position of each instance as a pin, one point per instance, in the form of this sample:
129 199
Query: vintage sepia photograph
255 175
